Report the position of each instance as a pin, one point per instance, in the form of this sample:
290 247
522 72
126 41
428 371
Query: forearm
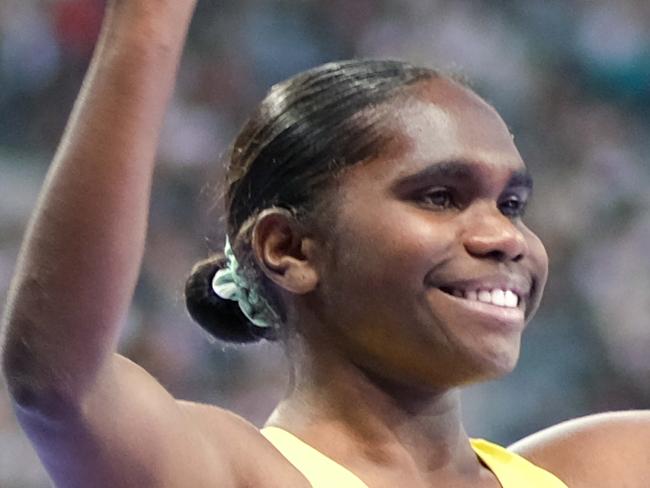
81 255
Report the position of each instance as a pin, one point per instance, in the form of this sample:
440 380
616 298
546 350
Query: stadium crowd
572 80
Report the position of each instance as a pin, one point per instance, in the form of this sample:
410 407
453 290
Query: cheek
392 246
538 256
374 286
538 260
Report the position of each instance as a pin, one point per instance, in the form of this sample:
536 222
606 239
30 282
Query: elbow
23 384
29 365
23 393
30 386
36 364
36 396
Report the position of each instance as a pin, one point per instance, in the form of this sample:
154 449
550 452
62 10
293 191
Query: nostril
497 255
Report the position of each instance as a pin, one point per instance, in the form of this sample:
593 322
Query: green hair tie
229 284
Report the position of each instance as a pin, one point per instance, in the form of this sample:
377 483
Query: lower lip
497 317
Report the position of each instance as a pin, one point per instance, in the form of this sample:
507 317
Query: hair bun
222 318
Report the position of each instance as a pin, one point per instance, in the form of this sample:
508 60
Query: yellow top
511 470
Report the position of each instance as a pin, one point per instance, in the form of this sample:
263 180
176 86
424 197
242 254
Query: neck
350 414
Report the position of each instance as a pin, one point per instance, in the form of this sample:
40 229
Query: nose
490 234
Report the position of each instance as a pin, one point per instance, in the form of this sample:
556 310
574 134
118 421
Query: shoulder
603 450
253 458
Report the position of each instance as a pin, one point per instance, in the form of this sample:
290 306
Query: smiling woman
375 227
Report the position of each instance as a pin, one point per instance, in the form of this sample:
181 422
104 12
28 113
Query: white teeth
498 297
511 299
485 296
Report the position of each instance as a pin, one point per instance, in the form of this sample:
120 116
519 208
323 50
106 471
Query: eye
439 198
513 206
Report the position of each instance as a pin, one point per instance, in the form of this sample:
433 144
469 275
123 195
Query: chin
472 370
496 365
487 363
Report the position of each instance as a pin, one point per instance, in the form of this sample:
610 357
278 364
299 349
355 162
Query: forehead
440 121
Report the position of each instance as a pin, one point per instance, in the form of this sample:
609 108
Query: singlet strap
513 470
320 471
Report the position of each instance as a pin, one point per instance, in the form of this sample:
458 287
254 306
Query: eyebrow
460 169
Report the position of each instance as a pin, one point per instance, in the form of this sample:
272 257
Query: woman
374 223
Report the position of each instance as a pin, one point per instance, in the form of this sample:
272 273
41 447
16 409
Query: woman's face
430 273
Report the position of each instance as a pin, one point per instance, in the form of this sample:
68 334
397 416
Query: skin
446 191
397 349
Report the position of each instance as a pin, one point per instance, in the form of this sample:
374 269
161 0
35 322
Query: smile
488 307
500 297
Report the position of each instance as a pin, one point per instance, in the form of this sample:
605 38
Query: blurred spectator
77 24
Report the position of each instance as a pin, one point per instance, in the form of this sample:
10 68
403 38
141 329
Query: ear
283 251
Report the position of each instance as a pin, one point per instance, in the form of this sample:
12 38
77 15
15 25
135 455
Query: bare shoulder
255 459
603 450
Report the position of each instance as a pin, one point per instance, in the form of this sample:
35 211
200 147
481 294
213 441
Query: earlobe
283 251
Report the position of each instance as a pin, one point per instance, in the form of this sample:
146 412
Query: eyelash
507 208
426 199
512 206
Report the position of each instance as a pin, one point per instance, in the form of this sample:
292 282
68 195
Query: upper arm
128 431
604 450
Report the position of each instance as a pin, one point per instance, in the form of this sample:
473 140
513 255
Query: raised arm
95 418
81 256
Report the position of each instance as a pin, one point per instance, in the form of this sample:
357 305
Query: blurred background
572 80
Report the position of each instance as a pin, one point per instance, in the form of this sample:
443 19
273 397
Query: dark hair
302 134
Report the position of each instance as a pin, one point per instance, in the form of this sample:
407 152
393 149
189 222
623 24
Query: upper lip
518 284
